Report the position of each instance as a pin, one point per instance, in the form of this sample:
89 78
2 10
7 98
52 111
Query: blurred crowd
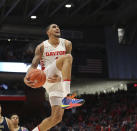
17 52
104 112
11 88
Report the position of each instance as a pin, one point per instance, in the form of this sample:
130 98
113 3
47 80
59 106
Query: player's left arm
68 45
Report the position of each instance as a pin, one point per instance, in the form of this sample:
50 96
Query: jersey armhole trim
6 119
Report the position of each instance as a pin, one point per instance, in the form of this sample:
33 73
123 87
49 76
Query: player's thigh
51 70
56 100
60 60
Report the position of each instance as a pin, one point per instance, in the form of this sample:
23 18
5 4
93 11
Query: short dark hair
14 114
47 28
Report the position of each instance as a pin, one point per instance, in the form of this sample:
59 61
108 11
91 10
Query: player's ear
47 33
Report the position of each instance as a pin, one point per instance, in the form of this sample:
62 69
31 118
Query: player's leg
56 115
64 64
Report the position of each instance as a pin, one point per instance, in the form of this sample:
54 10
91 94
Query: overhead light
68 5
104 91
9 40
121 33
121 84
33 17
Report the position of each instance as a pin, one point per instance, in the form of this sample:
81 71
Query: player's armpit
68 46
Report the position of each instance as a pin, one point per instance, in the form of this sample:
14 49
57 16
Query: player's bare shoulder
68 45
39 49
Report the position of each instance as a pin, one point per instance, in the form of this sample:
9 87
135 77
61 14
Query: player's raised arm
34 65
37 57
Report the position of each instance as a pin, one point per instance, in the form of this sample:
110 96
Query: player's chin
57 35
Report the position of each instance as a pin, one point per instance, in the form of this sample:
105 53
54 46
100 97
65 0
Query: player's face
54 31
15 119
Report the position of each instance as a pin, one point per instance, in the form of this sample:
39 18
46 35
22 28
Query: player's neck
1 118
54 41
16 126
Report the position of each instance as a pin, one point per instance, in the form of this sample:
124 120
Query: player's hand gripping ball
38 77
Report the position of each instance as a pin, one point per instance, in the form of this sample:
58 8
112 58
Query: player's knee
69 57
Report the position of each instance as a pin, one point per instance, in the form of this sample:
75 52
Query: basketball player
15 121
5 123
55 57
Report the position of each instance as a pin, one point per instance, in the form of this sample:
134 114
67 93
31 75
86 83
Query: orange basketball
38 77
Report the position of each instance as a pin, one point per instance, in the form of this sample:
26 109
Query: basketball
38 77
